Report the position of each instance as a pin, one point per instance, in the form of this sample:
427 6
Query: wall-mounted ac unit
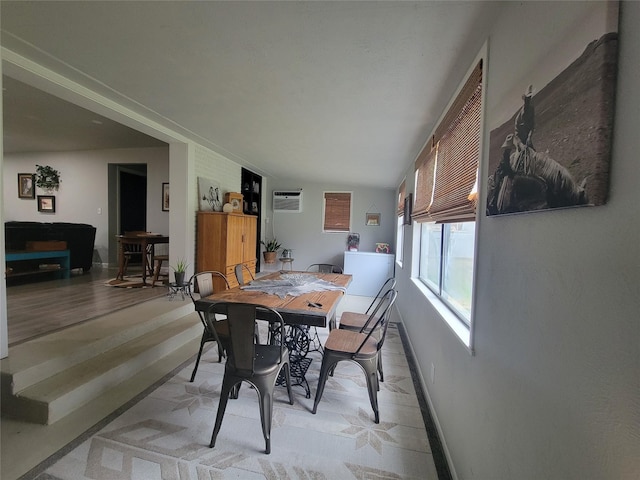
287 201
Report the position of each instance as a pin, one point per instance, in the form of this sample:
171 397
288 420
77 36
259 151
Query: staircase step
58 395
36 360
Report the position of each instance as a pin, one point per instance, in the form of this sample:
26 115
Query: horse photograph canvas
554 148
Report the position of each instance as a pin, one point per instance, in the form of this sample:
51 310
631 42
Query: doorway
133 199
128 195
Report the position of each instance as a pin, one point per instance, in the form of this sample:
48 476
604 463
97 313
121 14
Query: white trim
457 326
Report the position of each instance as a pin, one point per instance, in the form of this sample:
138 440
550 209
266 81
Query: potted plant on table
270 250
179 271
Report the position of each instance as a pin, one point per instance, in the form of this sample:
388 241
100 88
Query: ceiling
339 92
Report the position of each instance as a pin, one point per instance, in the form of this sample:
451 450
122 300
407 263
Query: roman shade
337 211
401 196
447 168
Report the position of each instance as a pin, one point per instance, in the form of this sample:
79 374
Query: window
399 239
337 212
446 263
446 173
401 213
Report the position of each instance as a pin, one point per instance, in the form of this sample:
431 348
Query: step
33 443
36 360
55 397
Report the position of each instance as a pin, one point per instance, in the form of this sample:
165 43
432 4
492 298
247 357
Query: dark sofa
80 238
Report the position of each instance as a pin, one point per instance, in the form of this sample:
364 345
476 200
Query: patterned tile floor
165 434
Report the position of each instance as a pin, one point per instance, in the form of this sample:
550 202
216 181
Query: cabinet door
235 237
249 239
211 241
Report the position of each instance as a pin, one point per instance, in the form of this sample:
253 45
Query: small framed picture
47 203
407 209
373 220
26 185
165 197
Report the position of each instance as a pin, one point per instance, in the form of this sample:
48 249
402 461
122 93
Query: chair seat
266 359
347 341
353 320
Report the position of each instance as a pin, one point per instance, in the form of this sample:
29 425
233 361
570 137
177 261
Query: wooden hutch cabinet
225 240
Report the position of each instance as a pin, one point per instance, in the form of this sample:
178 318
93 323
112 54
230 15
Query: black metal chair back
240 270
390 283
215 330
324 268
248 361
379 320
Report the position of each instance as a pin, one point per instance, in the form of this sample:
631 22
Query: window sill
457 326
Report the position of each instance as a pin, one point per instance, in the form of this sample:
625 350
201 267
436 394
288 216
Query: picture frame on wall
165 197
550 147
209 195
47 203
26 185
373 220
406 219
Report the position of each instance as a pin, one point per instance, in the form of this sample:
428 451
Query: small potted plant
270 250
179 271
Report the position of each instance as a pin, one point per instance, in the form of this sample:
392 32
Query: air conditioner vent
287 201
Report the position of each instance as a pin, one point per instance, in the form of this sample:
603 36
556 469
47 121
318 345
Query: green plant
271 245
181 266
47 178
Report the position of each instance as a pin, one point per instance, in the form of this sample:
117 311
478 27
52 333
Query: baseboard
440 451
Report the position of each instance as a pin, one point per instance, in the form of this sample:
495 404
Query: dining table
311 300
144 243
314 308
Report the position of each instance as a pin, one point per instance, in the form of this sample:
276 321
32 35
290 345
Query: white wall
83 189
302 232
552 390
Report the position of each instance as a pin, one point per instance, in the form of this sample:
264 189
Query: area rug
165 434
133 281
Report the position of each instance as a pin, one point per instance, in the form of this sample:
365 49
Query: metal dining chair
251 362
324 268
240 270
362 347
215 330
355 321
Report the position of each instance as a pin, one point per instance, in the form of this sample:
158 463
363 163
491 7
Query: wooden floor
39 308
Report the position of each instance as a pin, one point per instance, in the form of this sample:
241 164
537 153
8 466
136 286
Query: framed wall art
26 185
551 146
165 197
408 201
373 220
47 203
209 195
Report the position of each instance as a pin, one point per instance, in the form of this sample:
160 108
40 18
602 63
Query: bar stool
158 259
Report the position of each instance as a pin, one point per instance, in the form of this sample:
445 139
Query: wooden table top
294 310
